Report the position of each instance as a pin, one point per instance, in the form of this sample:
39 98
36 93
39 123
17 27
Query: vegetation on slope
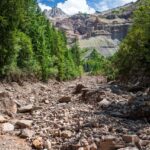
29 44
134 53
133 56
97 64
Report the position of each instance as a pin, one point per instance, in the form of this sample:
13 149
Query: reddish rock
38 143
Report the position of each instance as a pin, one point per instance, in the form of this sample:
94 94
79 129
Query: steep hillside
125 11
105 46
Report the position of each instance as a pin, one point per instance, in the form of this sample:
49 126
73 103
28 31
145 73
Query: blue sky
88 6
51 3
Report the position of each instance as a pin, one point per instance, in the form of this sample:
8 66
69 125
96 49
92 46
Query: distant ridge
102 31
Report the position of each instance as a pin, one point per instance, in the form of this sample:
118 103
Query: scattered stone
93 146
24 123
140 107
80 124
4 94
109 143
84 142
81 148
26 133
66 134
129 148
131 138
148 147
8 127
18 104
48 145
2 119
56 133
38 143
25 109
104 103
144 142
65 99
78 89
108 138
8 106
47 102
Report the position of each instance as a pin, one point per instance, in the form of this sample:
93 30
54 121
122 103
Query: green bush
30 44
97 64
134 53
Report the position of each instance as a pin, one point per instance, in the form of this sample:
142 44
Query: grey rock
48 145
26 133
8 127
24 123
66 134
7 105
24 109
104 103
129 148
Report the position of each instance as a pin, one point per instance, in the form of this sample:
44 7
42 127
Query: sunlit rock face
102 30
55 13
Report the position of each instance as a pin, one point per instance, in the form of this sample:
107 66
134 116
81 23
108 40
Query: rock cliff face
112 25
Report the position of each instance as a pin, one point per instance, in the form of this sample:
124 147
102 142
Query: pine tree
134 53
30 44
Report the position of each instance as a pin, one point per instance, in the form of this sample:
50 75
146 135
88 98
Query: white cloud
107 4
43 7
71 7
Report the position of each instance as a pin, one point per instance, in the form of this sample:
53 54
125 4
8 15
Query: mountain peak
55 12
